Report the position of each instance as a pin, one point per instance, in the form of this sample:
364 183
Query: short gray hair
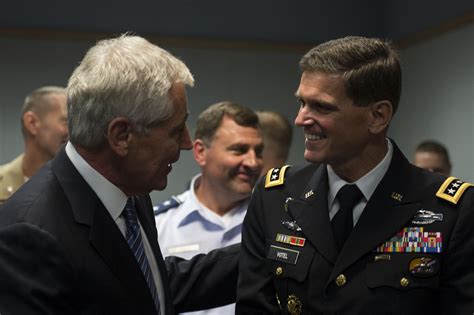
125 76
39 103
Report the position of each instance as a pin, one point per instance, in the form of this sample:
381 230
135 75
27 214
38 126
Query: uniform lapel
104 234
310 211
389 209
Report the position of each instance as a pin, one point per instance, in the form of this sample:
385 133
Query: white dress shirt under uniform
190 228
367 185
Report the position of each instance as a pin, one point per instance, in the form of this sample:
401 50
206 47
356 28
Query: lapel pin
308 194
397 196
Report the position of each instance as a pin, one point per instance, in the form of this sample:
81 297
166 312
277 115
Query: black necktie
134 240
342 223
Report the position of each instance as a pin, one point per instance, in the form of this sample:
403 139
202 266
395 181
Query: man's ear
119 134
380 116
31 122
199 152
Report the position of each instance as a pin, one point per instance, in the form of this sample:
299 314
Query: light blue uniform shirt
187 228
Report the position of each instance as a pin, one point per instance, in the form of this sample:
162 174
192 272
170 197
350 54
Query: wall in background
438 98
260 79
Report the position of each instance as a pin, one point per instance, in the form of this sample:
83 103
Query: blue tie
134 239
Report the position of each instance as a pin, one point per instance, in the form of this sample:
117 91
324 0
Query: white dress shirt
367 185
190 228
114 201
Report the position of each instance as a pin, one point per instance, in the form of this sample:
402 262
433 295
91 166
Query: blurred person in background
44 128
277 135
432 156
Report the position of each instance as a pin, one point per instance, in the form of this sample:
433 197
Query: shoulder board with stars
171 203
276 176
452 189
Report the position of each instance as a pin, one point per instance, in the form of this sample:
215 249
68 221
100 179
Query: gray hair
125 76
39 103
369 67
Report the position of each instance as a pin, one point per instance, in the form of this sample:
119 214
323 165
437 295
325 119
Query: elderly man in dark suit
79 237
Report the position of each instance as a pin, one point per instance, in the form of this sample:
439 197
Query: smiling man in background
228 149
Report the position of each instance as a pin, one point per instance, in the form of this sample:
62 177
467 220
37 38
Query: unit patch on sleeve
276 176
452 189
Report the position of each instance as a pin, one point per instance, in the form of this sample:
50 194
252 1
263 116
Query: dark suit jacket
61 253
314 279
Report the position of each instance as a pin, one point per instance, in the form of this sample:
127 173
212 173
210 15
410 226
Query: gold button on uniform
279 271
404 282
341 280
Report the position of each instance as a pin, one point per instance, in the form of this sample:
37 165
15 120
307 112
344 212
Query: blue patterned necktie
134 239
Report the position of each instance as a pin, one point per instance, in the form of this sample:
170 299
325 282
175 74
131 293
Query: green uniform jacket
411 252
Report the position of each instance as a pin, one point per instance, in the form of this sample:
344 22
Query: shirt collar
190 204
111 196
367 183
192 208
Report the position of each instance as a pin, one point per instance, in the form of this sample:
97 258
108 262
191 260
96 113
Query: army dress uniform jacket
11 178
411 252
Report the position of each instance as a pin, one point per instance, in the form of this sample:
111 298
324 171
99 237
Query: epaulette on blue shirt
171 203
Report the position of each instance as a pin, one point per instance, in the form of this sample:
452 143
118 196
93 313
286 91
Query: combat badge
423 217
291 240
291 225
275 176
294 305
424 267
452 189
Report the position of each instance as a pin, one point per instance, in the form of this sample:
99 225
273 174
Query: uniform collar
193 210
367 183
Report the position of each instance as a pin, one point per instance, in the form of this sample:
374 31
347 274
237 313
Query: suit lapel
104 234
389 209
145 214
109 242
310 211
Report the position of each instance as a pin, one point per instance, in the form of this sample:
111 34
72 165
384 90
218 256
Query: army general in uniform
365 232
